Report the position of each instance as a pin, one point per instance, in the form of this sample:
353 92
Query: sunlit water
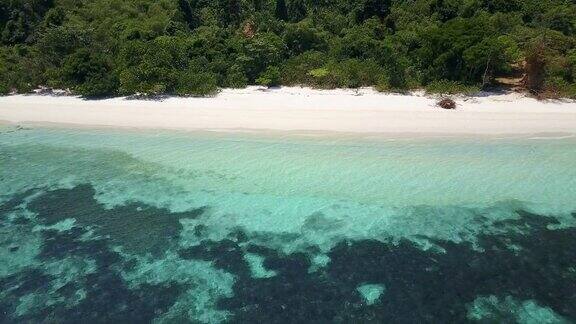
133 227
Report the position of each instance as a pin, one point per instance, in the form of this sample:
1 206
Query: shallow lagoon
127 226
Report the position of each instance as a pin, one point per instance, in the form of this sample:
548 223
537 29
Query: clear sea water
112 226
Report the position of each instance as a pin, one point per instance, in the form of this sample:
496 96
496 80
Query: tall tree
535 67
373 8
188 9
231 11
297 10
281 10
19 19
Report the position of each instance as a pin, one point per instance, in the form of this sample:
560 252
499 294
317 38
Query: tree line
193 47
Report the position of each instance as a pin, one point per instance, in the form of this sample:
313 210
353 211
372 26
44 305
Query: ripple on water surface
110 226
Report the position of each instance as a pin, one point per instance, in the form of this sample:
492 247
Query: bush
89 74
393 82
104 85
450 87
319 73
355 73
312 69
270 77
235 78
302 37
196 84
260 52
163 66
572 63
555 88
296 70
4 89
19 69
144 80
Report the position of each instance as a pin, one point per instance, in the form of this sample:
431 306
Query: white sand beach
302 109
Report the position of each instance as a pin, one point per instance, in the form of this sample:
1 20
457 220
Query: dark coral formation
138 227
528 260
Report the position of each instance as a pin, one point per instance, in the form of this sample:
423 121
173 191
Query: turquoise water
151 226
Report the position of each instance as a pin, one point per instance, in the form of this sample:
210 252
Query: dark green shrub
89 73
235 78
450 87
4 88
270 77
303 37
296 70
196 84
355 73
557 87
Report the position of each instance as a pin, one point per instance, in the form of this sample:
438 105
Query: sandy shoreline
302 109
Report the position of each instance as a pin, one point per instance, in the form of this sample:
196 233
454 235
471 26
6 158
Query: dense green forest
193 47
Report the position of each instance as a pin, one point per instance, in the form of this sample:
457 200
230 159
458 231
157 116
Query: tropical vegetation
194 47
